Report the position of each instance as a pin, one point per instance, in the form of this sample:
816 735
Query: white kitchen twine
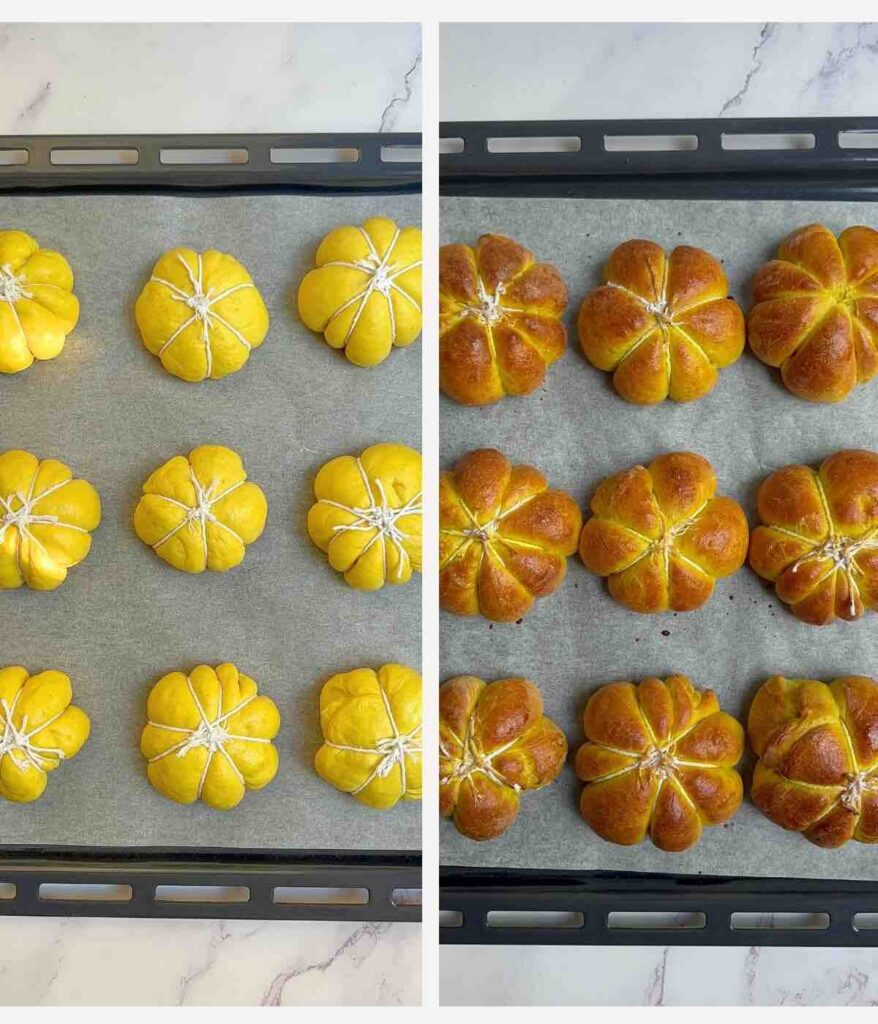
201 303
24 517
209 734
13 286
17 739
382 276
472 761
201 512
393 750
841 551
380 517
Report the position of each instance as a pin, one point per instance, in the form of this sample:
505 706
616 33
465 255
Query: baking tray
572 207
101 841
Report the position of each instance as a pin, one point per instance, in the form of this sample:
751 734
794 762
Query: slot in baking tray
572 207
101 841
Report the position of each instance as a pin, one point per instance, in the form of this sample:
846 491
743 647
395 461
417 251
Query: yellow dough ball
39 728
372 746
200 512
364 296
201 314
208 736
45 519
368 515
37 306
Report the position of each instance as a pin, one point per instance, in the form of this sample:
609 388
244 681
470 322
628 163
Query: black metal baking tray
195 882
821 159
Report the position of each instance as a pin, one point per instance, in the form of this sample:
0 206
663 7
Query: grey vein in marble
275 990
388 117
766 33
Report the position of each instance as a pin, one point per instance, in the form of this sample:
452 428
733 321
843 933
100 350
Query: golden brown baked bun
662 324
659 761
504 537
661 536
819 541
499 320
817 745
816 311
494 742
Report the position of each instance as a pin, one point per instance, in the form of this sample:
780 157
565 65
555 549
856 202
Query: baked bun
494 742
816 311
659 761
504 537
661 535
817 745
819 541
662 324
499 320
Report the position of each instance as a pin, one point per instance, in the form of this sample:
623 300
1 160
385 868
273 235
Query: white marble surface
661 70
200 78
624 71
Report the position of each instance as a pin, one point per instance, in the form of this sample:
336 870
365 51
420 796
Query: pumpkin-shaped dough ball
201 314
500 324
495 743
371 723
39 728
200 511
209 736
663 324
364 295
817 746
816 312
818 542
368 515
659 761
37 306
662 535
45 519
504 537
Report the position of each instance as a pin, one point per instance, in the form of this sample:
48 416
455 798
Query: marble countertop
643 71
247 78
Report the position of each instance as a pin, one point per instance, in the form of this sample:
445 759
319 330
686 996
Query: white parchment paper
577 430
124 617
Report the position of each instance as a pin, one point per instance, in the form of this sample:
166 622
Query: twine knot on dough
660 761
856 786
841 551
488 308
382 276
210 734
473 761
17 740
22 517
380 516
393 750
12 285
200 302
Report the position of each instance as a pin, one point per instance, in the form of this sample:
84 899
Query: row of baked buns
202 315
660 535
209 734
659 758
199 511
663 325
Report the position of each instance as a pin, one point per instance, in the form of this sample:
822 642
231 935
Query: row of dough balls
202 315
660 535
201 512
659 758
664 325
209 734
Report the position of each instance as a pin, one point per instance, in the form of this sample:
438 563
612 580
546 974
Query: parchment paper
123 617
577 430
